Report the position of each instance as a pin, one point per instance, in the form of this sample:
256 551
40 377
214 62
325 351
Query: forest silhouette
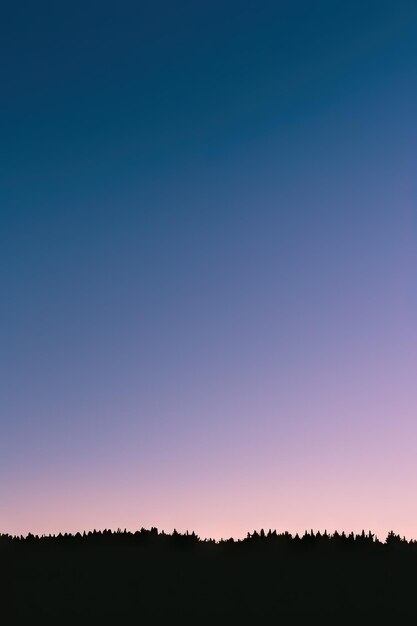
153 574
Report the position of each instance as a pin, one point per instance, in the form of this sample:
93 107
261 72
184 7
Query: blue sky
207 260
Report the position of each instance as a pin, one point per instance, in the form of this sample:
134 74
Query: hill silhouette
149 573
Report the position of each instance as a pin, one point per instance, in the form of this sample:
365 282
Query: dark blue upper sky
94 91
207 222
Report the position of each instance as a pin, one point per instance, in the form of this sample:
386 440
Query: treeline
147 574
191 539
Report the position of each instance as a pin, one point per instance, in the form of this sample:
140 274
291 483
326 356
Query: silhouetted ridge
147 573
270 537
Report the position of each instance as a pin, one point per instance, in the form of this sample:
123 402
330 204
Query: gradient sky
208 265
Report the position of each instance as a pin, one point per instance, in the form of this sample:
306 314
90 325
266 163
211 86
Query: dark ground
152 574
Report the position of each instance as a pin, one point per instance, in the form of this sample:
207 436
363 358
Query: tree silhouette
147 573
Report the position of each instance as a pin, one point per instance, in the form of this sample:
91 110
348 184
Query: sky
208 266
